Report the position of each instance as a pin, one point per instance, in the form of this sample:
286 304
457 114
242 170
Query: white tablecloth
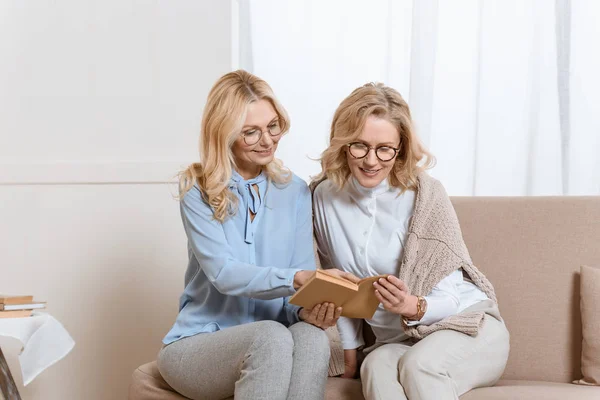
45 341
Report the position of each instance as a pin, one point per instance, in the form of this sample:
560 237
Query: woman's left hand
322 315
394 295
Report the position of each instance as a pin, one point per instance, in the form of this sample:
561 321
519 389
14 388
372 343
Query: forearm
350 363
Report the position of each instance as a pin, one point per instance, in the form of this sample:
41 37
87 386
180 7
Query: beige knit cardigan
435 248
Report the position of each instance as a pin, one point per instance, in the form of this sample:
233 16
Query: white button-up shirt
362 231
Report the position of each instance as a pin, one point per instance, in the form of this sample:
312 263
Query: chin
369 183
262 161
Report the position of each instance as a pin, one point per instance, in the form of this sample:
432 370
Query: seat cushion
351 389
343 389
533 390
148 384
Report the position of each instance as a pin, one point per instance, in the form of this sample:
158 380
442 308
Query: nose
266 140
371 158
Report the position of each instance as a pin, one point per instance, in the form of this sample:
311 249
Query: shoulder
192 199
295 188
429 184
298 183
326 193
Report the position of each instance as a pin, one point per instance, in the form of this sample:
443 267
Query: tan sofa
531 248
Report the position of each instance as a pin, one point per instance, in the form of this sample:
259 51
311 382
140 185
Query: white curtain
505 93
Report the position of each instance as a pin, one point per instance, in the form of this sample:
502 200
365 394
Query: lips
263 152
370 172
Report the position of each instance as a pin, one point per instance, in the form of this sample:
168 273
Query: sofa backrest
531 249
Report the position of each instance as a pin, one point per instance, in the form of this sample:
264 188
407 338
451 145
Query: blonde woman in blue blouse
248 222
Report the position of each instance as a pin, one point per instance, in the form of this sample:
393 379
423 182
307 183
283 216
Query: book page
323 274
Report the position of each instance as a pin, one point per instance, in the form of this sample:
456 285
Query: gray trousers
443 366
260 360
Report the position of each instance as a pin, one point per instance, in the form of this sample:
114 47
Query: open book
356 299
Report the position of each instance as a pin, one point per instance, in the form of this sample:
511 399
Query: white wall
100 104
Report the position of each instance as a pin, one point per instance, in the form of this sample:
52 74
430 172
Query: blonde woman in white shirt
438 329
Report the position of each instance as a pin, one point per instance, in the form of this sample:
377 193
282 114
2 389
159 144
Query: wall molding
78 173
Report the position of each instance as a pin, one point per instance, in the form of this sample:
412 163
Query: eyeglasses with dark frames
361 150
253 136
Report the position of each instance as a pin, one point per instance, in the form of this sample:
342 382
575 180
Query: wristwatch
421 309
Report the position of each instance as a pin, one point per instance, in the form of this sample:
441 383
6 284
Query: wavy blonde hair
374 99
222 121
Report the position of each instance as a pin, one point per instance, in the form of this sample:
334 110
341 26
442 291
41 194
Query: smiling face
370 171
251 158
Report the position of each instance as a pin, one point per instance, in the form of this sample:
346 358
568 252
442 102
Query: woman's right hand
323 315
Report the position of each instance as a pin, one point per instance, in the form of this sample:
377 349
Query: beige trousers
444 365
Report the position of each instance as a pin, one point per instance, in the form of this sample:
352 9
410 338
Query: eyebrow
256 126
384 144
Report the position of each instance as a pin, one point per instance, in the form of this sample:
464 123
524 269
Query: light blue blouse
242 271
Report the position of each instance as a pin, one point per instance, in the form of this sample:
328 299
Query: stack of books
18 306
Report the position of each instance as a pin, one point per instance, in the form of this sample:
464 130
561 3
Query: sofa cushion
351 389
343 389
531 249
533 390
148 384
590 322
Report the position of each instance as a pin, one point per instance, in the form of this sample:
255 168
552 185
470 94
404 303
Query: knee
275 337
320 342
310 338
412 365
372 363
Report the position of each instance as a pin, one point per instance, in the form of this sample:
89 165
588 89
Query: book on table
357 300
11 299
18 306
15 314
24 306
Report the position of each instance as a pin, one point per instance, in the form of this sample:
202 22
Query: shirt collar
250 199
237 179
381 188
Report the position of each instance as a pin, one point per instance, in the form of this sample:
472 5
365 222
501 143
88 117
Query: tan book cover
8 299
356 299
15 314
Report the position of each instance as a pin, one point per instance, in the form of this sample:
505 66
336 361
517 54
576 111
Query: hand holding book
355 296
322 315
395 297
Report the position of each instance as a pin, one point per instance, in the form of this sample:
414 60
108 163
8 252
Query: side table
45 341
7 383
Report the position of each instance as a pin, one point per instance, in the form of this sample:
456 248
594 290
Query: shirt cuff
290 273
293 313
352 344
438 308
